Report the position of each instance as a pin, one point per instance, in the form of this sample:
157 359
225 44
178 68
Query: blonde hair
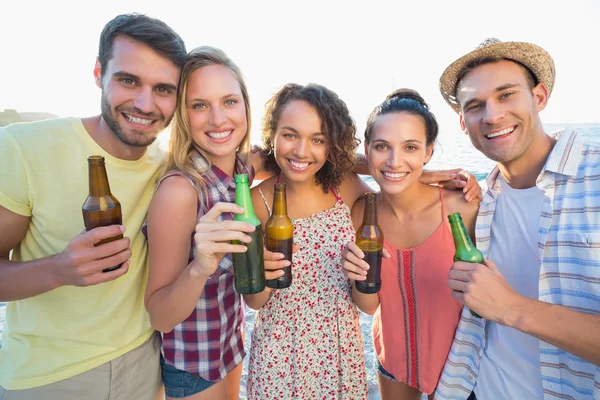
181 145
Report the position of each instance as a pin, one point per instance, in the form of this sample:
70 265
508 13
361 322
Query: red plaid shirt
209 341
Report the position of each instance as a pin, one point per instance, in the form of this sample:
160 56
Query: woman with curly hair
307 342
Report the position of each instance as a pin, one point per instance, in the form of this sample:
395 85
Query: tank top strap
265 199
336 193
444 215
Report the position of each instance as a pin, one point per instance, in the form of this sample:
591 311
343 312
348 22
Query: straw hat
533 57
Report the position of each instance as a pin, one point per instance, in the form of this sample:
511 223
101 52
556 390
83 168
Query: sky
361 50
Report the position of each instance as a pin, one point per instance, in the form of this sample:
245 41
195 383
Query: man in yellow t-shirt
71 330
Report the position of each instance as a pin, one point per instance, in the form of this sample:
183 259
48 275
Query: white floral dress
307 342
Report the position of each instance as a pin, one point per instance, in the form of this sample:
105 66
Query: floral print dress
307 342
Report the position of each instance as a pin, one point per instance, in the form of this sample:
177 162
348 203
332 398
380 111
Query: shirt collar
563 159
215 173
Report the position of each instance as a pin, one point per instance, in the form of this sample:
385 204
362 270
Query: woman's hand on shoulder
214 238
454 179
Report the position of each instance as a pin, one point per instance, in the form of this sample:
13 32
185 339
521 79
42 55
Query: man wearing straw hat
539 229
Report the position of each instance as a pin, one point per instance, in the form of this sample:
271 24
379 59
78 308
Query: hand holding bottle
354 265
82 262
482 288
214 238
276 262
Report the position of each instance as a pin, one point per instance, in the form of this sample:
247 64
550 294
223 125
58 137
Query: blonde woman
190 294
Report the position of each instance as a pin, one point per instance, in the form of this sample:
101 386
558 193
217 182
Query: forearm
362 165
572 331
21 280
367 303
172 304
258 300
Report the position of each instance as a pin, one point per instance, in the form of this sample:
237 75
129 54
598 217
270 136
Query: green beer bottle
369 239
465 250
248 267
279 236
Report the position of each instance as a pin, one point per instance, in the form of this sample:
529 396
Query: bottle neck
461 236
370 213
98 180
243 199
279 203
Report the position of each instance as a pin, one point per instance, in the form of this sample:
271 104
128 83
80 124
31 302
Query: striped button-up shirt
569 246
209 341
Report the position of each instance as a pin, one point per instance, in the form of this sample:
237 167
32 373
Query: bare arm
80 264
352 188
174 285
257 160
482 288
573 331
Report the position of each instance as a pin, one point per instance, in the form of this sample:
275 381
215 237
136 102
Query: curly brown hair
336 124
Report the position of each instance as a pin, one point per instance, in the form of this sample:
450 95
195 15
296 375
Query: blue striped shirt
569 245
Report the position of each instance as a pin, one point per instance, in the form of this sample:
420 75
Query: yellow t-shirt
70 330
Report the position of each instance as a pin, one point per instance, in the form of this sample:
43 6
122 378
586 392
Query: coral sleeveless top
414 325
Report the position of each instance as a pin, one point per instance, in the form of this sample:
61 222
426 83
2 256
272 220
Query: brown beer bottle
280 236
369 239
465 249
101 208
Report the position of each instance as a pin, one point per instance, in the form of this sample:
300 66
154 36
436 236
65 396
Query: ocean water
453 150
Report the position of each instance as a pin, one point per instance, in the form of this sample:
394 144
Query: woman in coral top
415 316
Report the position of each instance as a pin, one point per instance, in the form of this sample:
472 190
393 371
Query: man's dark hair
150 31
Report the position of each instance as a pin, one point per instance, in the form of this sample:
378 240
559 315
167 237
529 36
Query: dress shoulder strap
265 200
336 193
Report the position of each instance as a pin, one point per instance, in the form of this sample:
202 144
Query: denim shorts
180 384
383 372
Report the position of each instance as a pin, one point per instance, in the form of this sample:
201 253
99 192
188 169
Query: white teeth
219 135
298 164
138 121
500 133
394 175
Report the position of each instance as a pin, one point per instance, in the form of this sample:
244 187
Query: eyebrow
122 74
289 128
406 141
498 89
224 97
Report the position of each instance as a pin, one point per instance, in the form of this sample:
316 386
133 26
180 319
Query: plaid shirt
209 341
569 245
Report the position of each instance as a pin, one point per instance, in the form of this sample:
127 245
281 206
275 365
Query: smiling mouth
297 165
394 175
220 135
503 132
138 120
